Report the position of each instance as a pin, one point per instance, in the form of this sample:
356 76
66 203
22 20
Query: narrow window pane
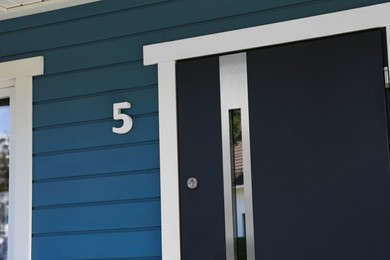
238 184
4 175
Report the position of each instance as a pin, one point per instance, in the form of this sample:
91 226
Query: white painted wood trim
7 83
41 7
166 54
388 43
21 73
21 68
169 163
295 30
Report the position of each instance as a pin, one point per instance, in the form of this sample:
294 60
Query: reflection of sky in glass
4 120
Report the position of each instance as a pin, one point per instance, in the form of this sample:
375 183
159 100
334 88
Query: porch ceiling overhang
16 8
8 4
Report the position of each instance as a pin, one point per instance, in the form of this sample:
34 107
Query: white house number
118 115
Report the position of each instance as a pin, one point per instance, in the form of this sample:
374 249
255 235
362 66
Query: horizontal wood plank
170 15
108 245
117 159
81 136
119 77
111 187
97 217
92 108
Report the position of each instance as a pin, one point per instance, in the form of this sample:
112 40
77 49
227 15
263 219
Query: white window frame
166 54
16 80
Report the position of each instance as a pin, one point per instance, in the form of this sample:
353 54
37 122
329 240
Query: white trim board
40 7
16 79
21 68
166 54
271 34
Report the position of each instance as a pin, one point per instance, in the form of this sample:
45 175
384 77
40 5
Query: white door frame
16 84
166 54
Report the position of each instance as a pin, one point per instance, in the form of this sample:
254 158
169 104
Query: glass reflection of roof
238 164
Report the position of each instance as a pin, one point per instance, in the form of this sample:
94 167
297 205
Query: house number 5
118 115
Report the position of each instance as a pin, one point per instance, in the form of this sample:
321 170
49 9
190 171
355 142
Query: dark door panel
200 155
319 148
319 151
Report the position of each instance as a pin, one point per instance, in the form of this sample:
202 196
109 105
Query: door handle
192 183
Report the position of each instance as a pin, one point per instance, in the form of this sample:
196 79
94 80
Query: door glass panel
4 175
236 157
238 184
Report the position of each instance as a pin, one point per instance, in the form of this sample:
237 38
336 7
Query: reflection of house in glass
238 165
239 189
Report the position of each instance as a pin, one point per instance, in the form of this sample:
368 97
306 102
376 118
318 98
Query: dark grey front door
199 127
319 151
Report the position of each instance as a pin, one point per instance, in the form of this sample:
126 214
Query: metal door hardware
387 77
192 183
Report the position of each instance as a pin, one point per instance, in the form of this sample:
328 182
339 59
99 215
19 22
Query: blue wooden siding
96 194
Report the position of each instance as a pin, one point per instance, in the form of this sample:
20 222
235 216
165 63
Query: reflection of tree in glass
4 168
4 176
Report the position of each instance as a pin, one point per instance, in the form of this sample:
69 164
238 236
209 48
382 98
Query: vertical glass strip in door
236 158
238 195
4 175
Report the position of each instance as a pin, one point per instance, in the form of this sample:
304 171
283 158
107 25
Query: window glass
238 184
4 175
